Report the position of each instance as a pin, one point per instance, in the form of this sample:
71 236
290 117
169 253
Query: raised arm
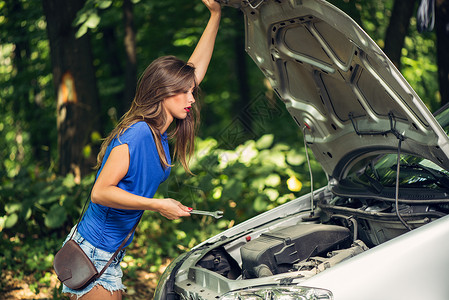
203 51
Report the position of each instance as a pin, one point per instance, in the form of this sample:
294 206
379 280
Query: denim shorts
111 279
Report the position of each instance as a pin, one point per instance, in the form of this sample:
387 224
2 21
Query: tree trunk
397 29
74 79
442 30
113 59
131 59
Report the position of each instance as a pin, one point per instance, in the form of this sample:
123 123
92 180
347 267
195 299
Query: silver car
379 229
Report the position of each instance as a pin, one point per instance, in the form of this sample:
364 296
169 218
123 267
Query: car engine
340 229
279 250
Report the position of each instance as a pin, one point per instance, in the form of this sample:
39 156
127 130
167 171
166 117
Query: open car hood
337 84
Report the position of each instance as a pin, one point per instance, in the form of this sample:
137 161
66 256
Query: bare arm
106 192
203 51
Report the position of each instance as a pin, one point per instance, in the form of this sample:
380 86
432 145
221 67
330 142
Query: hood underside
337 84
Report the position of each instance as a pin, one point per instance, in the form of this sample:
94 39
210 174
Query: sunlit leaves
87 21
187 37
104 3
294 184
273 180
265 141
8 221
295 158
253 177
421 70
88 17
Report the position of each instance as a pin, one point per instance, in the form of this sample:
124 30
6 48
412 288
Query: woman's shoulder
141 126
136 133
138 129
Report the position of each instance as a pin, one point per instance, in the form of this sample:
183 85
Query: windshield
415 172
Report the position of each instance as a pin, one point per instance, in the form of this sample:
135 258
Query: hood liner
337 84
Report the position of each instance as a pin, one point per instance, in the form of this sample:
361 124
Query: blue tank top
105 227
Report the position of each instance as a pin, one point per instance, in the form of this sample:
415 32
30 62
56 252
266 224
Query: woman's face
179 105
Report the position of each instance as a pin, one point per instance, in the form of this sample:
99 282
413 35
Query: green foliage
420 66
40 203
88 17
29 256
27 109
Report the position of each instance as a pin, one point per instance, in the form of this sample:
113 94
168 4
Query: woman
134 159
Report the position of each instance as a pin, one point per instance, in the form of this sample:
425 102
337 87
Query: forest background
68 71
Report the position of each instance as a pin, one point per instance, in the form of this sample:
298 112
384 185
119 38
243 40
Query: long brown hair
164 77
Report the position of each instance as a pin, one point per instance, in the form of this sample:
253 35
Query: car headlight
279 293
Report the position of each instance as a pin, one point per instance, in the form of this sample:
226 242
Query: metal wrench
216 214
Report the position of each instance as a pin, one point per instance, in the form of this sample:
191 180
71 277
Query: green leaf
260 203
216 193
222 224
95 137
55 217
276 158
294 158
257 183
87 151
93 21
2 223
11 220
265 141
272 194
104 4
273 180
81 31
187 41
69 181
26 213
13 207
80 19
48 199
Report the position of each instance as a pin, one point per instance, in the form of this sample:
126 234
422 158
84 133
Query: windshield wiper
440 178
374 183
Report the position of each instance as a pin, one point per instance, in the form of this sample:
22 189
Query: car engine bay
304 245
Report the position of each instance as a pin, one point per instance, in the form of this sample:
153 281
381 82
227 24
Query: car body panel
411 266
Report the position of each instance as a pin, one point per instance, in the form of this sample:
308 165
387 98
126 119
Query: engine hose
398 168
354 222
